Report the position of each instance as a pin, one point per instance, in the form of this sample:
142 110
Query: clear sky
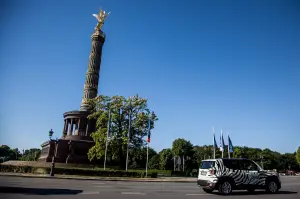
229 64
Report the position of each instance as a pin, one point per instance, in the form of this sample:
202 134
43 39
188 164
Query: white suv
226 174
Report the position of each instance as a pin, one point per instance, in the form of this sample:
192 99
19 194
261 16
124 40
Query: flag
230 147
215 142
149 133
222 144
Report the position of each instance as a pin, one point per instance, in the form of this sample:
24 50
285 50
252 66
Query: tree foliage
165 159
138 156
181 147
267 158
298 155
31 154
6 154
121 109
154 162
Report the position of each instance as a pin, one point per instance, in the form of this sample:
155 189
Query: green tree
182 147
290 161
198 155
202 152
298 156
138 157
31 154
120 109
166 159
16 154
6 153
154 162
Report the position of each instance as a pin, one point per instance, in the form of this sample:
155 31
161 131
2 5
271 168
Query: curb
99 179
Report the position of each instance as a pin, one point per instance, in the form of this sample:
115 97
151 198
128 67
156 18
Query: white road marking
289 184
90 192
79 186
101 186
133 193
198 194
97 183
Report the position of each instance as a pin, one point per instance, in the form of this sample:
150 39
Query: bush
166 173
79 171
179 173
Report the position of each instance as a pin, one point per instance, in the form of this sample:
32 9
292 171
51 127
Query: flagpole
147 159
128 135
222 143
148 147
214 142
107 136
174 162
183 162
228 146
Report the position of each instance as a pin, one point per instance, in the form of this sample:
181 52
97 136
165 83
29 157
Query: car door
235 171
252 171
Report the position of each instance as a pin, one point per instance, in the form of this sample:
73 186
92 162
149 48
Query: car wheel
272 187
207 190
225 188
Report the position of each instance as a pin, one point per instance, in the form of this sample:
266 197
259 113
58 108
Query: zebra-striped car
225 175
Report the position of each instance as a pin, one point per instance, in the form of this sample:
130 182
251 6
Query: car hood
270 173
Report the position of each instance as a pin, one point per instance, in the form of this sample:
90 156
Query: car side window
231 164
248 165
235 164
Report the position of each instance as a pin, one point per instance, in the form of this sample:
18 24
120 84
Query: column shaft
92 75
71 128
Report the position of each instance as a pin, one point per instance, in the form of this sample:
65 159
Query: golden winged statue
100 17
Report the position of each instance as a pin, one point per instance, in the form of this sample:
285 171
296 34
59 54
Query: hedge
78 171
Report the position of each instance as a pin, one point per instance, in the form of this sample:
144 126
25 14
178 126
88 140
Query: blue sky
229 64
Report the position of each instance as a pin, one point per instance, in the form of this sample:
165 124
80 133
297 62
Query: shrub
167 173
79 171
179 173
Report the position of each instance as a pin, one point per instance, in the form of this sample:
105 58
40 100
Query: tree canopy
298 155
121 110
6 154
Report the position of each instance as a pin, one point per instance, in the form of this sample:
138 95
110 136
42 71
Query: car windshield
258 165
207 164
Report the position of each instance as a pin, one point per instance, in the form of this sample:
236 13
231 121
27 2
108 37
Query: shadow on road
38 191
240 193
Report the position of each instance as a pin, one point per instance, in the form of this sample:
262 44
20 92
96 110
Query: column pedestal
74 145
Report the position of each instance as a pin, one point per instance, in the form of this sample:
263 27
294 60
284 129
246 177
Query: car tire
225 187
272 186
207 190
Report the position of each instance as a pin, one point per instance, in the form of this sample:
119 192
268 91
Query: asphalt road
22 187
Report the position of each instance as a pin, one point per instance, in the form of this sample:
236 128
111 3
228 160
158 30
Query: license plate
203 173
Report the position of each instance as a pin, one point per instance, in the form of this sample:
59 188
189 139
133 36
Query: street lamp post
50 134
55 151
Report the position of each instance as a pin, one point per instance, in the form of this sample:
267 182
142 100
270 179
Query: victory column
76 141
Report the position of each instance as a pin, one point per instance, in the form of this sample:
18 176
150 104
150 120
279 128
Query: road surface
44 188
